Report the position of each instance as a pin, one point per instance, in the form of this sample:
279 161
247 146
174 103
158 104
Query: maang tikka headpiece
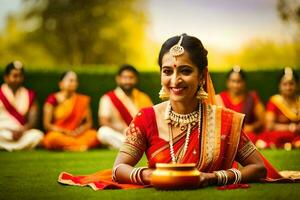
236 68
17 64
177 49
288 73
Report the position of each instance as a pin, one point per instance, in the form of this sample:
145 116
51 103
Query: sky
222 24
6 7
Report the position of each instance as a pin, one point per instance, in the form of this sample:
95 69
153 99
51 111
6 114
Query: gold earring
163 95
201 94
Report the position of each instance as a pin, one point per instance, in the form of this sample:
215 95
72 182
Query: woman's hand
207 179
298 127
146 176
292 127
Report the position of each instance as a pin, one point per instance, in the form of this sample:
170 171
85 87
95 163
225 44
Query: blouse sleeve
136 142
271 107
245 148
51 100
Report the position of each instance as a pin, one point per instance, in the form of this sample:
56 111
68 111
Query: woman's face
69 82
236 84
288 87
180 77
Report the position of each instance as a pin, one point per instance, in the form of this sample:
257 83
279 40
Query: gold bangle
114 171
237 175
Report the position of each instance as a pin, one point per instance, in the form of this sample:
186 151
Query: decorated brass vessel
175 176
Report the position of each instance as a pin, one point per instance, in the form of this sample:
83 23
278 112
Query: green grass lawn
33 175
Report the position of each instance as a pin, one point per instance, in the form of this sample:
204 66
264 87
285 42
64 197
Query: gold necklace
188 119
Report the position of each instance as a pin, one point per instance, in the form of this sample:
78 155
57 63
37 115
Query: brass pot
175 176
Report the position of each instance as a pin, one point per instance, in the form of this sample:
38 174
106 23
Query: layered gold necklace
186 122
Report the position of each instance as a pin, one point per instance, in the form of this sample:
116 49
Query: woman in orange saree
68 119
188 128
237 98
283 114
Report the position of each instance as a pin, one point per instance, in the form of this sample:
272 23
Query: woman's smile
177 90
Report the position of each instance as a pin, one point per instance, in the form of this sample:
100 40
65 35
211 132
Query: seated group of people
276 125
67 116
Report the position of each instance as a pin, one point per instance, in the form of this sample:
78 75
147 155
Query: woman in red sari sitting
237 98
283 114
68 118
187 128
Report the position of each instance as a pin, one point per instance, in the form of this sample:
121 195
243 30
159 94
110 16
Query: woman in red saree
68 119
237 98
283 114
188 128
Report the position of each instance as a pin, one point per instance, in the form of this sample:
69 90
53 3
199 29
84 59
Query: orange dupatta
77 113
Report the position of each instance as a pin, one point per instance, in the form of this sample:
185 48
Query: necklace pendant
183 128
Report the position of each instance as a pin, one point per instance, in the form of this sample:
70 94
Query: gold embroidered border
208 143
131 150
135 143
236 128
284 108
210 139
217 135
167 145
202 154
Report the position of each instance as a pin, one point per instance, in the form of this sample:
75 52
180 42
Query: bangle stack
114 171
222 177
136 175
237 175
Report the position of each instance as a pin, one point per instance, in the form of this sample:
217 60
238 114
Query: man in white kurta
18 112
117 107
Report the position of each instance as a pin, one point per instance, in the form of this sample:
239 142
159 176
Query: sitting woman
68 118
283 114
237 98
188 128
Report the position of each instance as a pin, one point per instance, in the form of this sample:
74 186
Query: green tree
289 12
81 32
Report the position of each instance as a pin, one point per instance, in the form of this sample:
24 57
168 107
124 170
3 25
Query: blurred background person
18 111
68 118
117 107
239 99
283 114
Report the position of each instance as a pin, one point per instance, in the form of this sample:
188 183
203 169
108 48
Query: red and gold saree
249 105
283 114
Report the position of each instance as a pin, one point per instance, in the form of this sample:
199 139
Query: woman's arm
123 167
253 170
131 152
259 113
272 125
47 119
87 124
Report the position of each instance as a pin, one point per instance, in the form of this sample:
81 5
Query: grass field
33 175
